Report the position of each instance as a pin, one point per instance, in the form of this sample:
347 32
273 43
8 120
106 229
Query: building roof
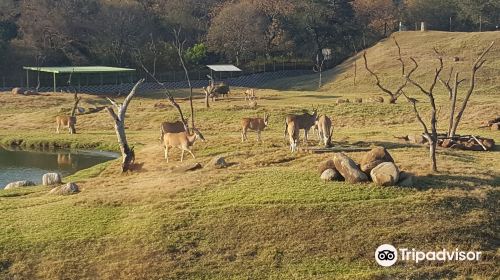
224 68
78 69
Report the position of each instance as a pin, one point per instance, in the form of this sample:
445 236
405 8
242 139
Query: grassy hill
267 216
382 59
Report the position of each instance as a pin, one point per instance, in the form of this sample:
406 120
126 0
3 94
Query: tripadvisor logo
388 255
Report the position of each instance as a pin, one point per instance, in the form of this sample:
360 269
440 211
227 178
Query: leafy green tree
196 54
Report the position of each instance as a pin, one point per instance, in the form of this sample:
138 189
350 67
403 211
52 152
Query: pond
17 164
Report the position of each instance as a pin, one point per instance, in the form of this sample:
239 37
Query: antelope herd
177 135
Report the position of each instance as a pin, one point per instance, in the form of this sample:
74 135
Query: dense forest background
130 32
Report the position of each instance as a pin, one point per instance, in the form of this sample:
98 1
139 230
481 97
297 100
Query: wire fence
45 81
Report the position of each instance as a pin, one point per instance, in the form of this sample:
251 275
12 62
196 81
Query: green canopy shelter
75 70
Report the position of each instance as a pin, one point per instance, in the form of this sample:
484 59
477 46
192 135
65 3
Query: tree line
129 33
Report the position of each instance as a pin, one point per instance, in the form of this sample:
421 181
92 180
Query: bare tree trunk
453 103
431 137
400 58
476 66
355 71
180 47
207 105
432 150
128 155
75 105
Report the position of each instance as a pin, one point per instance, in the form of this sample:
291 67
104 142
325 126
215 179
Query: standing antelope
250 94
66 121
292 128
304 121
325 129
256 124
171 127
181 140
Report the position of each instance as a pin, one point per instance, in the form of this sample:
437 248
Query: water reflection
64 160
30 164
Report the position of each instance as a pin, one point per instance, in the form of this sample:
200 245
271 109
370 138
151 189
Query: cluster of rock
377 165
48 179
468 143
377 99
21 91
19 184
493 124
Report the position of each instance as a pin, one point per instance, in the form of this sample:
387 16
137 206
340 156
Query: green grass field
268 215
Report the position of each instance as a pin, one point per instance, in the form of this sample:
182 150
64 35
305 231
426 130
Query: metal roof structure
224 68
74 70
78 69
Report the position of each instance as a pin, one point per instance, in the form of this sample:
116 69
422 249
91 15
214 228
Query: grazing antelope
181 140
325 129
256 124
171 127
304 121
66 121
250 94
292 128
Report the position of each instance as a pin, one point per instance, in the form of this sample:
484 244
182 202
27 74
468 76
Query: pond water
17 164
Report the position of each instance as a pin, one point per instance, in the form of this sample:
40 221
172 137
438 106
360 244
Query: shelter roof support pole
55 84
27 78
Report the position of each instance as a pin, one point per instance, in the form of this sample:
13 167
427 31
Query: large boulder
348 169
19 184
385 174
417 139
69 188
17 90
326 165
331 174
375 157
51 179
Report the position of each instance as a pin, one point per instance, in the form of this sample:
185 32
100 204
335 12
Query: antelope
325 129
304 121
181 140
292 128
256 124
214 90
171 127
66 121
250 94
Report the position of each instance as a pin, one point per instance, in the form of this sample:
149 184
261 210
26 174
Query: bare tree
478 63
318 68
75 104
431 136
400 59
393 95
180 52
128 155
452 87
